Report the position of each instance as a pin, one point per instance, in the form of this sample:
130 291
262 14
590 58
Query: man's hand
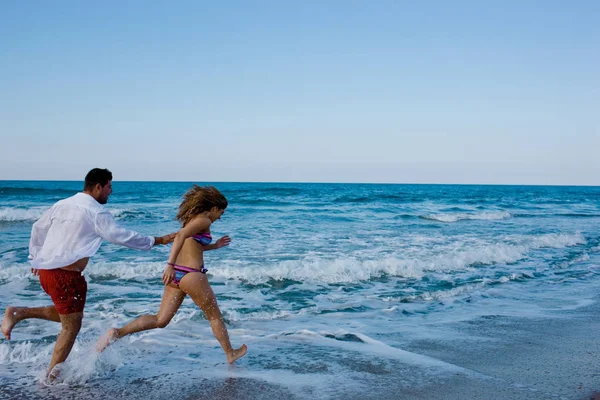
168 275
165 239
35 272
224 241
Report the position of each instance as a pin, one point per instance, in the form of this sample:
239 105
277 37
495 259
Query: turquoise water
310 266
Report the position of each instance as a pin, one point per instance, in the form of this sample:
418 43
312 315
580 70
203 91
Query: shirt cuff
152 240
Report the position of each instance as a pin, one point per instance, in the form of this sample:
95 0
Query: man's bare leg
13 315
71 324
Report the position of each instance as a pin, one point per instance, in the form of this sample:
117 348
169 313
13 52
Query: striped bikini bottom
182 270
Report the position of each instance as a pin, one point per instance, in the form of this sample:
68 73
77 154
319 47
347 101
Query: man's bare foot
237 353
110 336
52 376
9 321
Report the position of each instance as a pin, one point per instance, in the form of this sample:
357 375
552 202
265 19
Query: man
62 242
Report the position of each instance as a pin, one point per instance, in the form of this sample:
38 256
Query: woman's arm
222 242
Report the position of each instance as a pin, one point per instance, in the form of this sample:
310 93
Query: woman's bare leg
196 285
171 300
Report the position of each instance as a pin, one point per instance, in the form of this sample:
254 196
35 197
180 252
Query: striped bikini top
203 238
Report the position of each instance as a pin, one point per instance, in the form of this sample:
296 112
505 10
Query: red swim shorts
67 289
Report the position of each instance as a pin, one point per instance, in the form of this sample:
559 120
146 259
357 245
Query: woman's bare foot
110 336
237 353
9 321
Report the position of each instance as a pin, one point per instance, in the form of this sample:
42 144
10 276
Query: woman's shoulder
201 221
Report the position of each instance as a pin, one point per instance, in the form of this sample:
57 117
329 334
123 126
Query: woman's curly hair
199 199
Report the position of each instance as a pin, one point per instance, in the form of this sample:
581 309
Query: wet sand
492 357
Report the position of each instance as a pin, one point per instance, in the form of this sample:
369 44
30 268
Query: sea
327 285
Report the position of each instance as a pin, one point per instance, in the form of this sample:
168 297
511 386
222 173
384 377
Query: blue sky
310 91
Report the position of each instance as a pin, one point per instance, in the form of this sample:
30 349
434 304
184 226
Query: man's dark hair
95 176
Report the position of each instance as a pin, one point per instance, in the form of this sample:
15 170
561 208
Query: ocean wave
125 270
127 214
318 271
352 199
556 240
264 202
459 290
15 272
341 270
21 214
281 191
20 353
404 216
578 215
377 198
450 217
398 198
237 316
350 270
34 353
24 214
29 191
547 214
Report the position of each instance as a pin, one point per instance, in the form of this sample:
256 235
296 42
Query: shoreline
494 357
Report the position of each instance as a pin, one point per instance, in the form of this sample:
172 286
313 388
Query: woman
185 273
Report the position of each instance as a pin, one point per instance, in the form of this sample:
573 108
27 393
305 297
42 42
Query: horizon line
313 183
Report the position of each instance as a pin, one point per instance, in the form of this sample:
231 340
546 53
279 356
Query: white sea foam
24 214
350 270
19 214
234 315
369 345
23 353
81 365
455 217
117 212
15 272
126 270
557 240
343 269
454 292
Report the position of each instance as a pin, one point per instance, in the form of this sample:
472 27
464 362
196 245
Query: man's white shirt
74 228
